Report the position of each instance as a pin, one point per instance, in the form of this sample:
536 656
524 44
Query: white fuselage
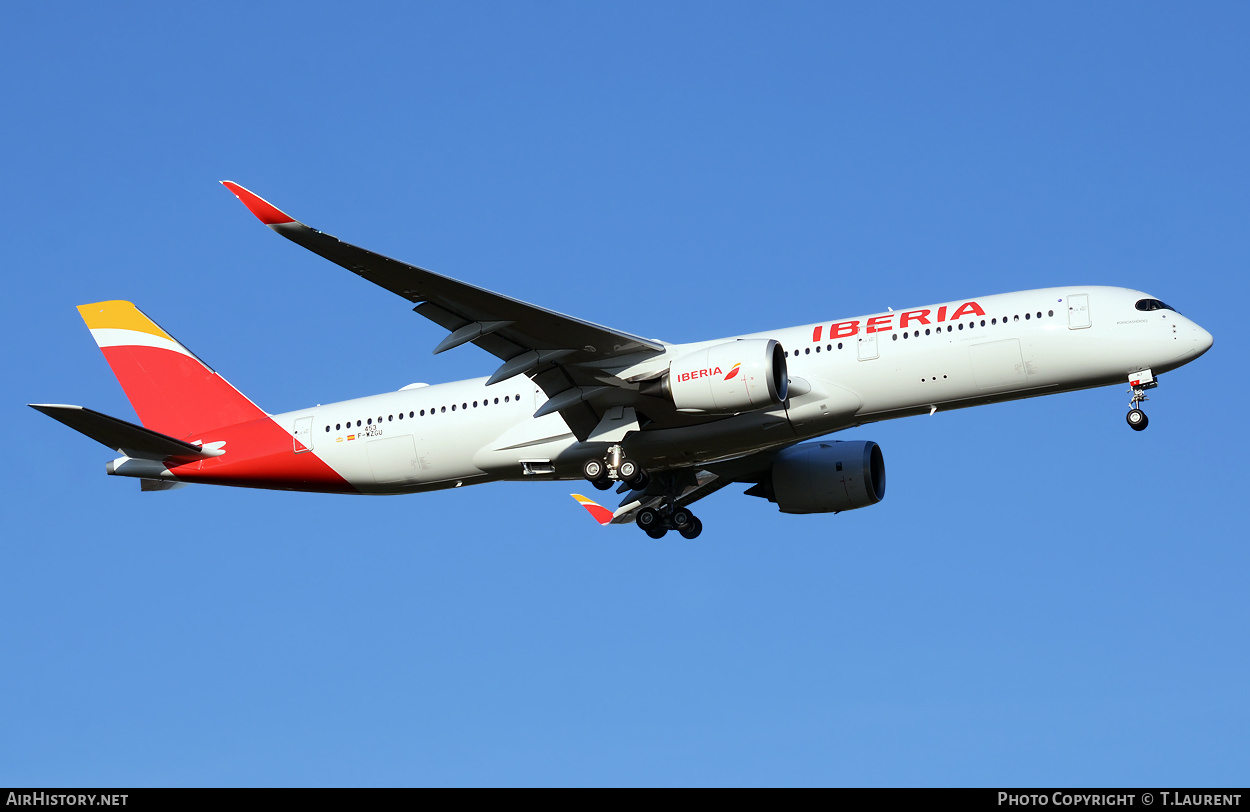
842 373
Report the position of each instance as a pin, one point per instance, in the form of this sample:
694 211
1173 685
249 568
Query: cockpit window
1153 304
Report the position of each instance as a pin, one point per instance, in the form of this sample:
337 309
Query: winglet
265 211
598 512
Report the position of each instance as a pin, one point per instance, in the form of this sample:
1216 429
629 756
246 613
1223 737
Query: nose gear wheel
1139 382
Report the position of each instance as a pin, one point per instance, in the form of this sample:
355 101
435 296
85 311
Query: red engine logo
703 373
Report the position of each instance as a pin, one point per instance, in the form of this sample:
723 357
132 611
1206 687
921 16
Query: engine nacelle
825 477
737 376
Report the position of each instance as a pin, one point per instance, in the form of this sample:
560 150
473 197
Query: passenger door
302 435
1078 311
867 346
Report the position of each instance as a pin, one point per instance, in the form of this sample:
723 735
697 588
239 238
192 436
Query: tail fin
172 391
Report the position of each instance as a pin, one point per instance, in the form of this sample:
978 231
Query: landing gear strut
1139 382
668 515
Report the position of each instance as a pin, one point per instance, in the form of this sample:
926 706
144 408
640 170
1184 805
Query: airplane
666 424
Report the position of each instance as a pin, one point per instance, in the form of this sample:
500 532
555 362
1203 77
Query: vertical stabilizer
171 390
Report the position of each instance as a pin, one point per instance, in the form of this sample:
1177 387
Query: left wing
698 484
564 355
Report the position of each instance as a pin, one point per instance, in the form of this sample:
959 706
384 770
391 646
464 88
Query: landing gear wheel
630 472
682 518
594 470
1137 419
692 530
657 533
649 520
603 484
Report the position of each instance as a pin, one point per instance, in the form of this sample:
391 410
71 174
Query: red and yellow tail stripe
121 324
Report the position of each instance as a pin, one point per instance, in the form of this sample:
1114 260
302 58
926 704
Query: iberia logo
733 372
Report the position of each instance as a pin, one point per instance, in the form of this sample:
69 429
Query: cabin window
1050 313
327 429
895 336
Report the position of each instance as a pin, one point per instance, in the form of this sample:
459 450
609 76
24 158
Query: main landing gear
655 522
615 467
1139 382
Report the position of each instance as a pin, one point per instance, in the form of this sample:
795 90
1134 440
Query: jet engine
825 477
737 376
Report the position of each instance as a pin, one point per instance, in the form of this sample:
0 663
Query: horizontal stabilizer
125 438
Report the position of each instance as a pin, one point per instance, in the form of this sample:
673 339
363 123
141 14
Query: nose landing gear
1139 382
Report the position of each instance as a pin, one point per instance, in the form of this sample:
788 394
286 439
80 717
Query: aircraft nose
1202 341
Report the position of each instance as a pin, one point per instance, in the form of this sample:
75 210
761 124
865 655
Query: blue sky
1044 596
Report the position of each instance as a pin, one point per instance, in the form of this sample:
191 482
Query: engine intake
736 376
825 477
